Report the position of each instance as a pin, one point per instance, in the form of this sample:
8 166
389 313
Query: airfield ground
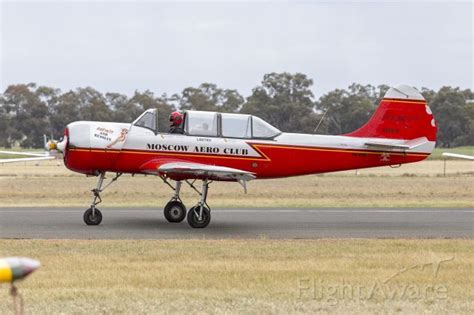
246 276
412 185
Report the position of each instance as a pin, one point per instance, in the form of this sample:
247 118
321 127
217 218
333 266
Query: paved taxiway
140 223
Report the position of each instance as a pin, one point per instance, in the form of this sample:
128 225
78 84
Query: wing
177 169
3 161
186 170
35 157
24 153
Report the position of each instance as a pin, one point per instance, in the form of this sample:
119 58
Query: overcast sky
165 47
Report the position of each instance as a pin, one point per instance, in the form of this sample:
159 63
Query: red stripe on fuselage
275 160
407 101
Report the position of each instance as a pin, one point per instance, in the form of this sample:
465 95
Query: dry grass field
252 276
412 185
247 276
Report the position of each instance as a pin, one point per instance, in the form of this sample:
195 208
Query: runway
141 223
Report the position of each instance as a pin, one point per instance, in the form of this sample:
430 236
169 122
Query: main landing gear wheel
199 220
198 216
91 218
175 211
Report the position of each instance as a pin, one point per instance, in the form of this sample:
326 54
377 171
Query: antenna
320 121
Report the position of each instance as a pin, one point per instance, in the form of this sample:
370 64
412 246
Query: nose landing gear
93 216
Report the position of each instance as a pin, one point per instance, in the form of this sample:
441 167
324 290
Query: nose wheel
92 217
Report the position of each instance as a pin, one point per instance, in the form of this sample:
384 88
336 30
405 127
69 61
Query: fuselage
211 146
287 154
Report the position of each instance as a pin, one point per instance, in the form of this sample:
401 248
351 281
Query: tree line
285 100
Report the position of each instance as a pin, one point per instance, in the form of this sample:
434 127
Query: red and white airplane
238 147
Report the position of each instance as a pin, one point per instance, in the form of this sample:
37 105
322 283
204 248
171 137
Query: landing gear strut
175 211
199 216
93 216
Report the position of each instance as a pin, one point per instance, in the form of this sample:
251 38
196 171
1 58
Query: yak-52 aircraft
237 147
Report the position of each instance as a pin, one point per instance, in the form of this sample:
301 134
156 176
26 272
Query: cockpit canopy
212 124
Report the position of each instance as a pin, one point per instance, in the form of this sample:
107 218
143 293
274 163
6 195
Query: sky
120 46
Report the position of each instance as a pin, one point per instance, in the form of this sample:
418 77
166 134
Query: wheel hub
176 212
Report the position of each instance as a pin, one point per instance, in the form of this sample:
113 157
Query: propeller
55 145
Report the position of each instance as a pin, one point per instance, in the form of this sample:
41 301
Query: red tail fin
402 114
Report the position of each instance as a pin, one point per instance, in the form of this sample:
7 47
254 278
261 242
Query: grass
412 185
237 276
247 276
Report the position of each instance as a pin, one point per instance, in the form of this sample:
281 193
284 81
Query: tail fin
402 114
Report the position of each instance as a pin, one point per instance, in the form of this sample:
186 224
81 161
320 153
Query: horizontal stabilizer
459 156
405 145
387 145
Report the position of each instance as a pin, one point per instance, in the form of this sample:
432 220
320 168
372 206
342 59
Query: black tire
92 220
175 211
193 217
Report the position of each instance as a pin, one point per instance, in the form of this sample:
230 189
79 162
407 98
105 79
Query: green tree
146 100
428 94
28 113
93 105
123 109
468 139
285 100
64 110
4 124
453 116
347 110
209 97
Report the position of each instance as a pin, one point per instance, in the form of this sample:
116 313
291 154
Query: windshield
147 120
